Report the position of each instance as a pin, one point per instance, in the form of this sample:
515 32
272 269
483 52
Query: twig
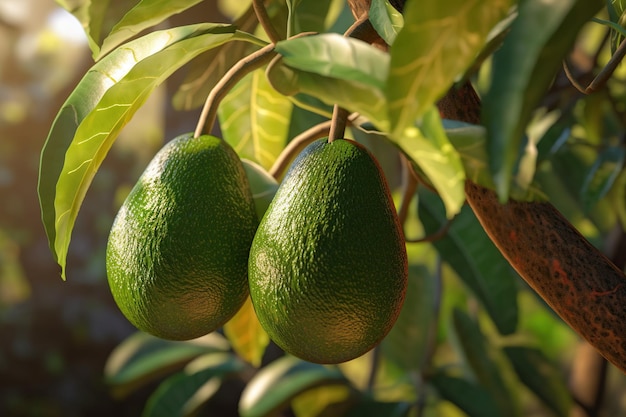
226 83
265 21
338 123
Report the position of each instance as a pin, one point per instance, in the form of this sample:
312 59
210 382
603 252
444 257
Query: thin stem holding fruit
338 123
227 82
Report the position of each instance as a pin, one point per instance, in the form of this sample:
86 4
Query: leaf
206 70
602 176
371 408
407 343
246 336
325 400
386 20
336 56
185 392
542 376
94 122
522 71
142 357
144 14
438 42
472 399
84 99
277 383
480 265
351 95
254 119
316 15
429 148
98 17
481 358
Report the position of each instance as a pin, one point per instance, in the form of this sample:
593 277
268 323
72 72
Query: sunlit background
55 336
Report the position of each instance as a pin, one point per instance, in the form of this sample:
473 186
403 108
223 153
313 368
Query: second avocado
328 264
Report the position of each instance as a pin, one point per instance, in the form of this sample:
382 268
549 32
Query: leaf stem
237 72
265 21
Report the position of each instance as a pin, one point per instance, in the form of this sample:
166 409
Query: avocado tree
496 129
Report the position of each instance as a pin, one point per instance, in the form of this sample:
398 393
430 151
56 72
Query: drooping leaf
429 148
469 251
185 392
255 119
207 69
386 20
323 401
438 42
277 383
542 377
354 96
522 70
602 175
142 357
143 15
98 17
336 56
246 336
473 399
481 358
372 408
407 343
92 118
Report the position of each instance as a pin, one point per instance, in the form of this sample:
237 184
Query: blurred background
55 336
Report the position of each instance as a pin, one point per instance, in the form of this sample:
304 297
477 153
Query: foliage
467 330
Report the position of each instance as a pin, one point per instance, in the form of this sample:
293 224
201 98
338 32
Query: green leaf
184 393
480 265
602 176
407 344
145 14
277 383
429 148
142 358
246 336
316 15
438 42
262 185
472 399
336 56
324 401
254 119
371 408
351 95
523 68
542 377
100 106
207 69
481 357
98 17
386 20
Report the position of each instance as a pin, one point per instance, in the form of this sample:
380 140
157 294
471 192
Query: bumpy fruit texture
328 264
177 253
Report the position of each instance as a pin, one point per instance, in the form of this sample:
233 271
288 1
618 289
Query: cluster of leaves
527 147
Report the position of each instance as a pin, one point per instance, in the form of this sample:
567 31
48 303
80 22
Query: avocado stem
338 123
243 67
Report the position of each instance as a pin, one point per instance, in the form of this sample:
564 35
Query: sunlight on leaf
352 95
97 131
255 119
336 56
145 14
85 98
522 71
386 20
246 336
438 42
